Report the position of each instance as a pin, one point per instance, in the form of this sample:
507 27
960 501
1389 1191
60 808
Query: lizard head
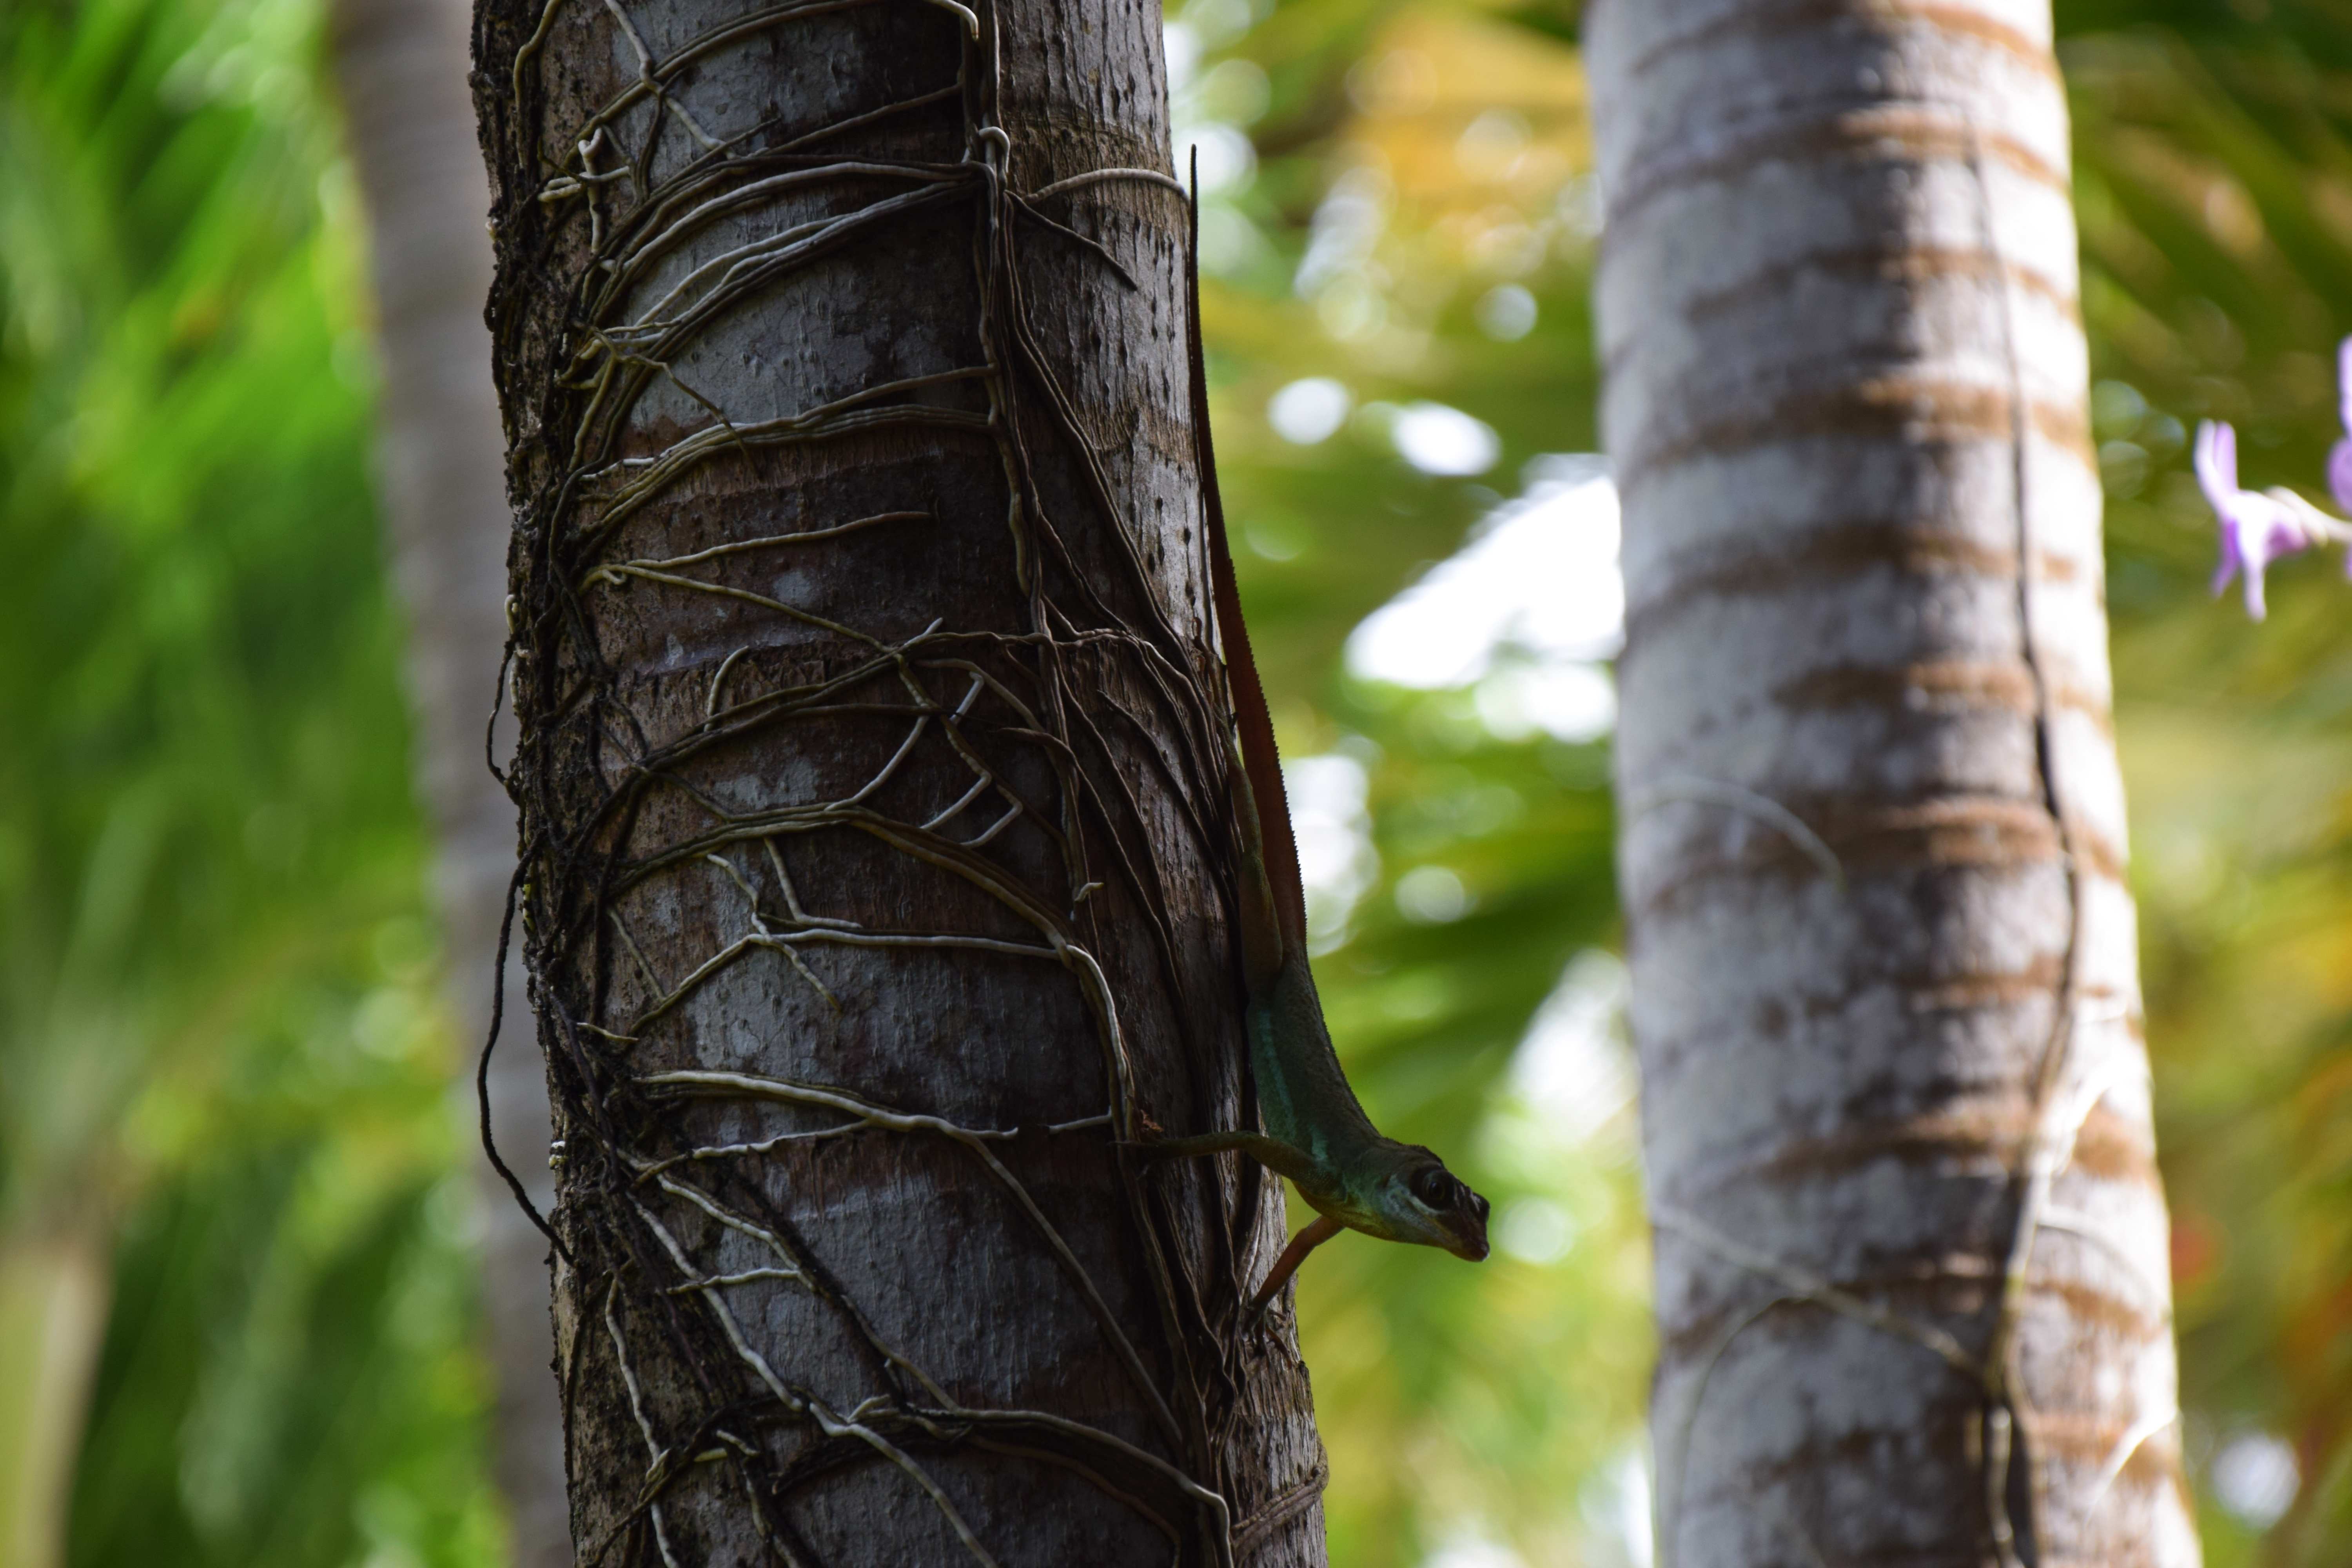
1415 1198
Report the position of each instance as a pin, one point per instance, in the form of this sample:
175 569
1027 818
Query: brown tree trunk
401 68
873 775
1912 1296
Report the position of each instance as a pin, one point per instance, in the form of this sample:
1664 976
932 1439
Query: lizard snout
1472 1245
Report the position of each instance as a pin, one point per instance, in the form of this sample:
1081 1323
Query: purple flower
2339 461
2257 528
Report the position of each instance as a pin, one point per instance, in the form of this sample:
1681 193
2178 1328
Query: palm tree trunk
55 1284
401 66
1912 1288
872 760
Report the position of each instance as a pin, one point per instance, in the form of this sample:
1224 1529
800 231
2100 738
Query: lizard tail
1274 896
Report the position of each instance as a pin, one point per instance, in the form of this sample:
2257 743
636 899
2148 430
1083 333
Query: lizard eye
1432 1187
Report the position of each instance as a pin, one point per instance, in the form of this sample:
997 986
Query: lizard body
1317 1134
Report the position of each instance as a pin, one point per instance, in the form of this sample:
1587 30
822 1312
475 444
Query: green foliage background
217 1027
222 1059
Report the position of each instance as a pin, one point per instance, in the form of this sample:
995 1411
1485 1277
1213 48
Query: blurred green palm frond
195 631
219 1052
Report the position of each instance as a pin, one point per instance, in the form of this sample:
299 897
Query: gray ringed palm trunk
879 882
1912 1275
400 66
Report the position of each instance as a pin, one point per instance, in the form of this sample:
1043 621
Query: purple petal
2344 382
2256 532
2250 535
2266 530
2339 473
2216 463
2282 536
2230 559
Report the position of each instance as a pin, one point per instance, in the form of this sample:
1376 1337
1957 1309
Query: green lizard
1317 1134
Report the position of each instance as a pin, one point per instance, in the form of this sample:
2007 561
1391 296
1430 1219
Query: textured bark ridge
1913 1292
879 886
401 67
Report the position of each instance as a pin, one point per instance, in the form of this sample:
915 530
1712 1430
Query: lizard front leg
1283 1160
1278 1157
1308 1238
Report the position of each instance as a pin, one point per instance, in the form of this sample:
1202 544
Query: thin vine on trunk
876 884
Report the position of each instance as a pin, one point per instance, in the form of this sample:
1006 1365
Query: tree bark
1912 1287
879 878
400 66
